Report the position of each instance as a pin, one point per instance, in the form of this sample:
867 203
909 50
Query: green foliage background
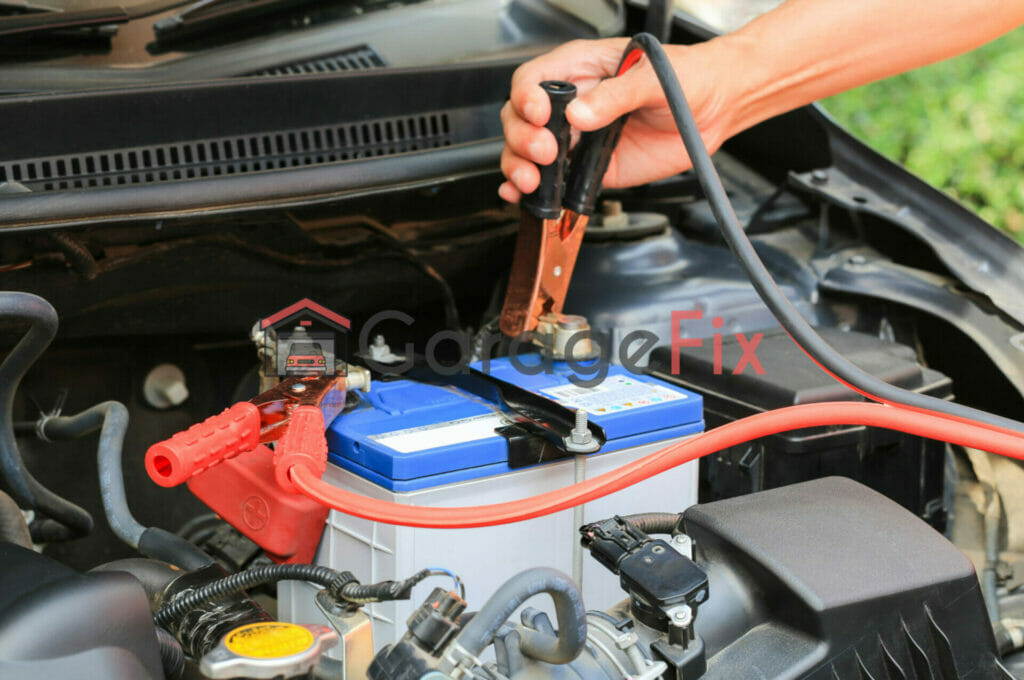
958 124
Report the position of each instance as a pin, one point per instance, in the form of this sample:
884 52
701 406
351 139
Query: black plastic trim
277 189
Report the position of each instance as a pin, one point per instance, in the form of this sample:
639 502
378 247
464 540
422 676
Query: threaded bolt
611 208
580 432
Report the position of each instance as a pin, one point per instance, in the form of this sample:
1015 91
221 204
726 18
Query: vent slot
232 155
358 58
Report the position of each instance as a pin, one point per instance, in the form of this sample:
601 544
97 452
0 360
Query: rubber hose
1012 605
111 418
572 623
167 547
25 489
154 575
13 527
172 656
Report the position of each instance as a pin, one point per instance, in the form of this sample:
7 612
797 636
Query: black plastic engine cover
57 624
830 580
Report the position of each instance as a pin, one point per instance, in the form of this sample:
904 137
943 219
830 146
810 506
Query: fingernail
530 110
579 110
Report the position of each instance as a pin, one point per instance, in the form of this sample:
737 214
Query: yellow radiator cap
268 649
269 640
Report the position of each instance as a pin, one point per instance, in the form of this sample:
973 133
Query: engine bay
344 433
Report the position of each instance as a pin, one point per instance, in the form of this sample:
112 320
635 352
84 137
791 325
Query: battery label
447 433
615 393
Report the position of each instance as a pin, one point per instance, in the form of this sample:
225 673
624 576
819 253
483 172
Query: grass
958 124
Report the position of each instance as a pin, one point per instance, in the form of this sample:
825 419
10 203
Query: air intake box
828 580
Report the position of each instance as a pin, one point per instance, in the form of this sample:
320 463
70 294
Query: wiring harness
341 585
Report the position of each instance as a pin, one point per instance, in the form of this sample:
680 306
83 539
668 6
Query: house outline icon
305 324
295 311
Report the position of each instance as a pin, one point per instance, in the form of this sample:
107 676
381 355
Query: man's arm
806 50
802 51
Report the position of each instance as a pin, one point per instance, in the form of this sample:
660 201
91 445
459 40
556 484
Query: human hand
650 147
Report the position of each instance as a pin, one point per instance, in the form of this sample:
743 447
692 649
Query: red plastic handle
205 444
303 445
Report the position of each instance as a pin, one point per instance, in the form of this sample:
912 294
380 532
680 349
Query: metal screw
682 616
658 549
580 432
819 176
571 322
579 439
611 208
683 545
298 387
613 216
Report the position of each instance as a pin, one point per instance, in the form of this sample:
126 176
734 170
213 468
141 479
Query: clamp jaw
554 219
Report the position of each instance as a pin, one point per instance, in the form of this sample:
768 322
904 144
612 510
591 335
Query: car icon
305 358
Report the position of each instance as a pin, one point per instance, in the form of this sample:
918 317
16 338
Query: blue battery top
408 435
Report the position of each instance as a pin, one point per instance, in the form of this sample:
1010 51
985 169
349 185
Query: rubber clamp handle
546 202
303 445
589 163
205 444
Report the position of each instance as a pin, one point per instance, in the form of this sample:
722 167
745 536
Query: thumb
611 98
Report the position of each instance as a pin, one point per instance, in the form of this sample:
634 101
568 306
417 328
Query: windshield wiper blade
204 15
42 22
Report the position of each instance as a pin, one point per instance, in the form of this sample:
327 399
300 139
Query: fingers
612 98
582 62
508 192
529 141
525 146
521 173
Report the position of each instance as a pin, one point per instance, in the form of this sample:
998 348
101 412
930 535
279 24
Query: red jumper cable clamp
228 466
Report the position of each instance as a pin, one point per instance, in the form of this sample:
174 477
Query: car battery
427 444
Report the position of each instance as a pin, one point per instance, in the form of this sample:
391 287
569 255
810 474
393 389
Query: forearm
806 50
